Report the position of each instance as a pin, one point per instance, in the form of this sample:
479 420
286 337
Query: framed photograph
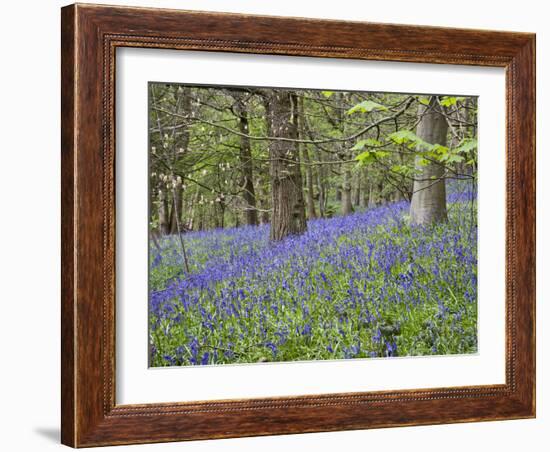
280 225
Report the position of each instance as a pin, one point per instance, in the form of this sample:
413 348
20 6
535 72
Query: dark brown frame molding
90 35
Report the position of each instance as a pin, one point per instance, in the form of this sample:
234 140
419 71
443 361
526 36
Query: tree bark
288 217
249 196
194 201
163 212
429 205
310 202
346 191
365 189
347 206
176 209
321 187
357 192
264 202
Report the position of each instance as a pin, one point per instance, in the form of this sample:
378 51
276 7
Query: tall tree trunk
201 219
163 211
346 193
221 218
251 214
310 202
429 205
264 202
194 201
357 193
321 188
300 209
288 216
365 189
176 209
236 218
347 206
372 197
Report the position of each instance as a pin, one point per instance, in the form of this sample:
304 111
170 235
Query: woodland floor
360 286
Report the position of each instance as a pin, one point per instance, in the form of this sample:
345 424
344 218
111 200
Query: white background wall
29 243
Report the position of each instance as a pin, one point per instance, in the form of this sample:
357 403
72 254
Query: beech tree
429 200
227 157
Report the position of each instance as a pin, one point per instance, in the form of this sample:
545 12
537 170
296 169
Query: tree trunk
221 218
163 212
429 205
372 197
347 207
288 216
357 193
321 189
194 201
176 210
310 202
365 192
251 214
264 202
311 213
346 192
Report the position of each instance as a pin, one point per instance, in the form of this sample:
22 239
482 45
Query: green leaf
381 154
366 157
439 149
466 145
327 94
401 169
372 142
403 136
412 141
366 106
371 156
454 158
424 100
423 162
447 101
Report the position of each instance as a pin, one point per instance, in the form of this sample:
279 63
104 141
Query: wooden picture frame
90 36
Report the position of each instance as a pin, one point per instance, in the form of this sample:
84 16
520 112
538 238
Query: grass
365 285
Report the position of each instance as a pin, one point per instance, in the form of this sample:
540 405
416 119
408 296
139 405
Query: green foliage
448 101
368 157
404 170
466 145
432 152
366 107
451 158
404 136
206 155
424 100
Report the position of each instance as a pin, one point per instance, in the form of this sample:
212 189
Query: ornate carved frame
90 36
